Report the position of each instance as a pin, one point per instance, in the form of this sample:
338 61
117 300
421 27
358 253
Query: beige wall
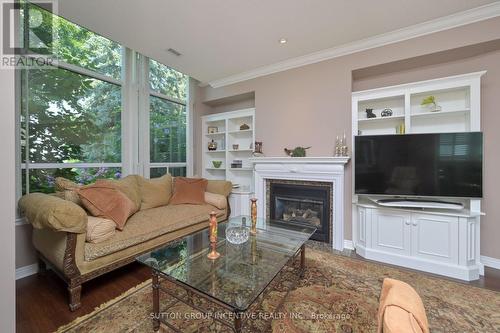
310 105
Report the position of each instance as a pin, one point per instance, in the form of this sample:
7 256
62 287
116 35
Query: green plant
429 100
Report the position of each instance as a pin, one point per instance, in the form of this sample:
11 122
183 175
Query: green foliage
167 81
69 117
167 131
429 100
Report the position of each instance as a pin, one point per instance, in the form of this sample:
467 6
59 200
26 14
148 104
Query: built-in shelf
380 118
215 134
215 151
241 131
228 125
438 113
419 234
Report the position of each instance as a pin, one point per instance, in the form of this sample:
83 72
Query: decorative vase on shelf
212 145
386 113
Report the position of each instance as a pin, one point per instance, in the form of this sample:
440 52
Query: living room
225 166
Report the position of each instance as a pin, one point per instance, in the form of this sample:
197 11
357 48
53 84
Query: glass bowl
237 235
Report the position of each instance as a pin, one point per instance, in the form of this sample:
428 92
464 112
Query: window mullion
144 105
130 113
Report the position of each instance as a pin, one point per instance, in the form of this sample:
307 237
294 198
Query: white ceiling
221 38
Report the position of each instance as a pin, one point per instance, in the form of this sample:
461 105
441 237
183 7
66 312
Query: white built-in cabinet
445 242
439 242
233 144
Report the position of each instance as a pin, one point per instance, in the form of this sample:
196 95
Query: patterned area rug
337 294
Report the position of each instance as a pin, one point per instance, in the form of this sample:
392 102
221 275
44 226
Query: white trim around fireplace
321 169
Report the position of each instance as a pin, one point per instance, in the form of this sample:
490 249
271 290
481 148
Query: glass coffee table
235 280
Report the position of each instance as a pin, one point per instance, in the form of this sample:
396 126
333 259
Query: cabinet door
391 232
435 237
362 226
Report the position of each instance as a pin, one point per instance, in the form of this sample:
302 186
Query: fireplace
303 202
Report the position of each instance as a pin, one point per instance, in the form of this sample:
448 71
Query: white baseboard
25 271
348 244
490 262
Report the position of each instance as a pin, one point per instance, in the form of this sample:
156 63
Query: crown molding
443 23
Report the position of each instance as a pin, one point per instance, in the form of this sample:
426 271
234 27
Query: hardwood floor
41 301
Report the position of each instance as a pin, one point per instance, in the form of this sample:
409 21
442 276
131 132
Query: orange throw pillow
189 191
103 200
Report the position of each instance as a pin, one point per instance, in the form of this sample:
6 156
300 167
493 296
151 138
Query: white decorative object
441 241
320 169
237 235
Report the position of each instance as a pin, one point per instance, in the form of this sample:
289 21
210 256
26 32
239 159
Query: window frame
135 104
25 167
144 123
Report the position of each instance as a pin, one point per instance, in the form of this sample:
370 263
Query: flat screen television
427 165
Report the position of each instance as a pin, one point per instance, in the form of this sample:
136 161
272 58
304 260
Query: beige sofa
59 234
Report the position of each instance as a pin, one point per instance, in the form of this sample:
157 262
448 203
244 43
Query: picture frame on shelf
213 129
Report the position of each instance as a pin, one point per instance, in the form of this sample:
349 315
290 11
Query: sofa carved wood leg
75 292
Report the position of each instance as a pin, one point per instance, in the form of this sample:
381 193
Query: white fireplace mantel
321 169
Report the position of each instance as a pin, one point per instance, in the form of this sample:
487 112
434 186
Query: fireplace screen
297 210
301 202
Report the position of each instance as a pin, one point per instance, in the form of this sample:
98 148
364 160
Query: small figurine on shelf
212 231
253 209
370 114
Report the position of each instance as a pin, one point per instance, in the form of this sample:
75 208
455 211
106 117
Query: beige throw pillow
66 189
217 200
155 192
128 186
99 229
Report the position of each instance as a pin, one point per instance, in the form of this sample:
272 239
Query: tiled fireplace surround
304 170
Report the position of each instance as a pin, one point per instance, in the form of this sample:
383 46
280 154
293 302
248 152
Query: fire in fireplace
302 202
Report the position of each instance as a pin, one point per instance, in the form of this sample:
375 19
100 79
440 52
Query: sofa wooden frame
71 274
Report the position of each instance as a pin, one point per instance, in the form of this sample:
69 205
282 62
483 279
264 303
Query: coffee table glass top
242 271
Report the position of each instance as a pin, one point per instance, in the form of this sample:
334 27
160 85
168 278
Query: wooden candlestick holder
212 231
253 209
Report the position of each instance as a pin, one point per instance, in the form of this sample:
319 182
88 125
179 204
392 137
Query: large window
167 119
71 116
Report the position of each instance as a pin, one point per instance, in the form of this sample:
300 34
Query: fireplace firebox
303 202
